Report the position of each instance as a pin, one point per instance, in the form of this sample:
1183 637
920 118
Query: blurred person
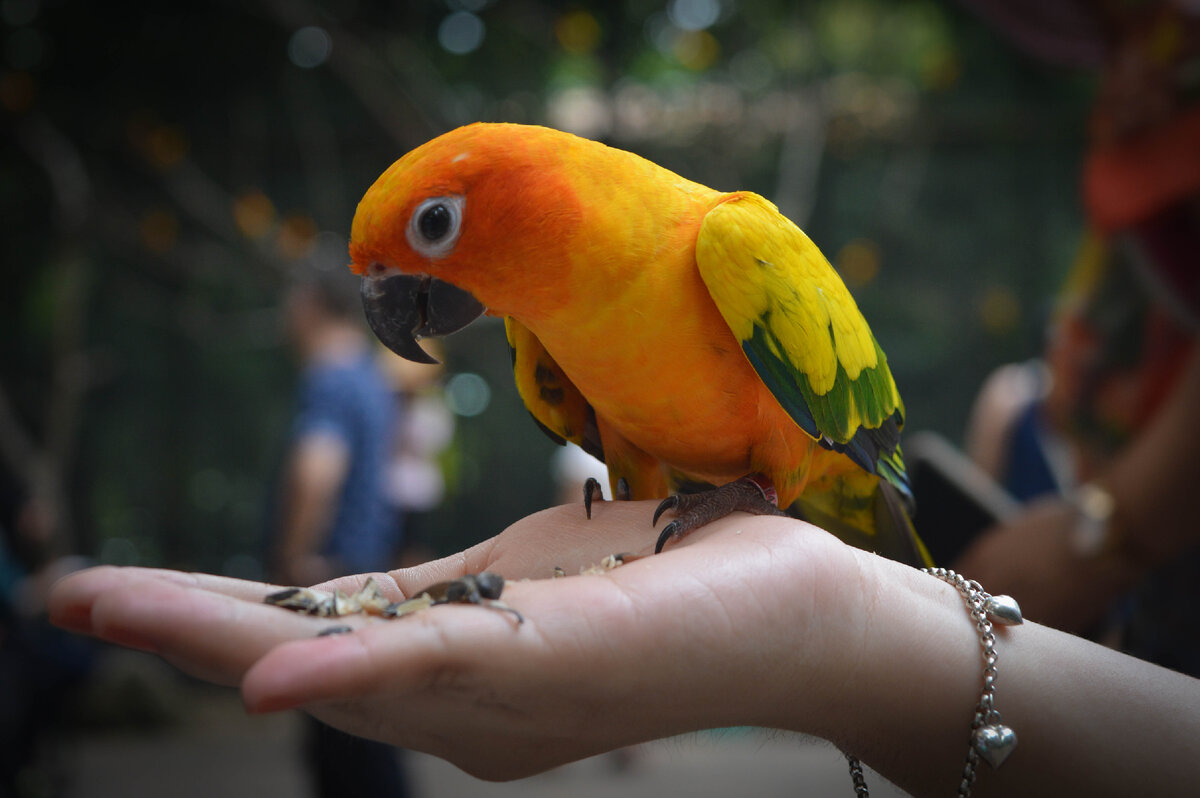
332 514
415 483
1101 439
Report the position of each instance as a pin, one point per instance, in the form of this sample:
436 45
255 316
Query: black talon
591 489
623 492
667 533
663 506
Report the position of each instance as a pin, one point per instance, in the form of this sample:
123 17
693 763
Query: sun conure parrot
691 339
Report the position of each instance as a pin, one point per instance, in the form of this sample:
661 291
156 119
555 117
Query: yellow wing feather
762 269
802 331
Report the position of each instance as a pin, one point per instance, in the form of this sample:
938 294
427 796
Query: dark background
164 168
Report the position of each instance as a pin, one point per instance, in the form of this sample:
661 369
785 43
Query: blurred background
167 169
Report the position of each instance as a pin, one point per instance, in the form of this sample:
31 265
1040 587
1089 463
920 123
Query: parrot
695 341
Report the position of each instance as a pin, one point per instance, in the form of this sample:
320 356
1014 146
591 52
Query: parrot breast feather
802 332
551 398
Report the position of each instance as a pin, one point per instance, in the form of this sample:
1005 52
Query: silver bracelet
990 740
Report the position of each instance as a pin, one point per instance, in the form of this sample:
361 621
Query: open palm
605 660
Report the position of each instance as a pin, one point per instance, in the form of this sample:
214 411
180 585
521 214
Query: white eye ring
435 225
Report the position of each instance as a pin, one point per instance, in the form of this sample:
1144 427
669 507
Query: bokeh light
253 213
310 47
159 230
858 262
999 310
296 237
461 32
693 15
577 32
468 394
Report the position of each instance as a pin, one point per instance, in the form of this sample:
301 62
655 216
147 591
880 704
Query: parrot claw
671 530
591 489
663 506
624 494
752 494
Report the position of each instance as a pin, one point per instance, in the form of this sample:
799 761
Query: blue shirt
353 402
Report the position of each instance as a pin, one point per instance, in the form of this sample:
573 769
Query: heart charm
1003 610
994 743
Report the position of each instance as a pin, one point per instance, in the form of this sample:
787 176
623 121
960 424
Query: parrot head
461 226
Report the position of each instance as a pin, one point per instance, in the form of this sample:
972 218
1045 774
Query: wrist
800 600
906 698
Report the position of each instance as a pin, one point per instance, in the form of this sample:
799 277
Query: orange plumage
606 269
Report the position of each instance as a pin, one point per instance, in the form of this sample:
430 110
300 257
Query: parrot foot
752 494
592 490
483 589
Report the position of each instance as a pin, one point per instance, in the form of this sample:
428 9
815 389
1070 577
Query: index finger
214 628
73 596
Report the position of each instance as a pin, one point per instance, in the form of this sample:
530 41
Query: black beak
403 308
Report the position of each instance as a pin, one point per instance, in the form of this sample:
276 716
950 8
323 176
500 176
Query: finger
71 598
209 634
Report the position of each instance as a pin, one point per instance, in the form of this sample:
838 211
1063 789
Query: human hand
741 623
1031 556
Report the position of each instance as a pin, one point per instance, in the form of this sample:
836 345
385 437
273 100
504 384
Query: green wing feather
551 398
803 332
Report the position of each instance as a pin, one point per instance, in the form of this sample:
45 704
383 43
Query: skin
752 620
1151 482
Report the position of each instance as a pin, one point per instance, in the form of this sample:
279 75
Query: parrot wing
803 332
551 398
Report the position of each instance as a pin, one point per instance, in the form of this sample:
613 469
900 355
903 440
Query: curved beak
402 308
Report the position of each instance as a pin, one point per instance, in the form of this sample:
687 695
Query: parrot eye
435 224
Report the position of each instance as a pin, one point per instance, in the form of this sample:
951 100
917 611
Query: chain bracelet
990 739
856 776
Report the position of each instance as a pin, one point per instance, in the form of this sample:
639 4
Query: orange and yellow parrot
696 341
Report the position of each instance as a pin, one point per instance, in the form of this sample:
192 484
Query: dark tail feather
893 535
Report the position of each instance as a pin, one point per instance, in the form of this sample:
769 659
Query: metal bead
994 742
1003 610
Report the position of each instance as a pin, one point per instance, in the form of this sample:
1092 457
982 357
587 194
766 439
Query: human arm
750 621
313 476
1151 482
